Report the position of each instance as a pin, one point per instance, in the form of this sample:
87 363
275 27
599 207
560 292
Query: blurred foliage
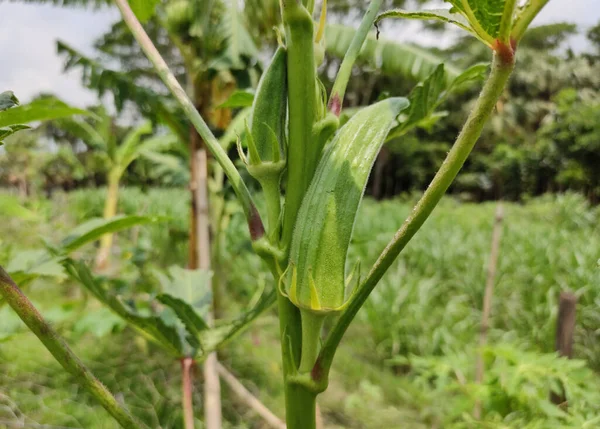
411 358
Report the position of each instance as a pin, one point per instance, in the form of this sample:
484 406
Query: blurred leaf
8 100
389 57
151 326
94 229
42 109
239 98
98 322
11 129
188 293
144 9
11 207
35 263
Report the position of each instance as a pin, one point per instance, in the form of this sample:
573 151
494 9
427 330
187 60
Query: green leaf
36 263
8 100
94 229
151 326
428 95
484 19
39 110
144 9
11 129
390 57
444 15
239 98
488 13
188 294
99 322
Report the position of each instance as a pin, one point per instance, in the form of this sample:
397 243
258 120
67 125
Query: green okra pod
266 139
315 279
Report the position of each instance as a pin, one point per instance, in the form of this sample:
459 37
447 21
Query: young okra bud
266 136
315 278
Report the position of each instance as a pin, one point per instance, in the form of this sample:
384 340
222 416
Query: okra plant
294 141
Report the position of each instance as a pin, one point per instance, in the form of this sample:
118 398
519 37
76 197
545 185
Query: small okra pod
265 138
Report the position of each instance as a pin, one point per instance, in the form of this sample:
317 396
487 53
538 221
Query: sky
28 35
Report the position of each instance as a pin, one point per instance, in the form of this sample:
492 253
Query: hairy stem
191 112
62 353
501 70
336 100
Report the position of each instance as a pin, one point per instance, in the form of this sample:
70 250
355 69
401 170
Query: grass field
408 362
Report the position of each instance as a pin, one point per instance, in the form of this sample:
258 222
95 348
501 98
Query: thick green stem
501 70
62 353
300 407
303 151
338 91
254 221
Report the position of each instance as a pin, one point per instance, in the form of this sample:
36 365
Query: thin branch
249 399
338 91
62 353
487 300
254 221
213 418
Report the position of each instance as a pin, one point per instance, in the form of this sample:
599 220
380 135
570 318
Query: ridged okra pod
315 279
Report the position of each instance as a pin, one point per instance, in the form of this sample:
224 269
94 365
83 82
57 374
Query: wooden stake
213 418
565 328
487 300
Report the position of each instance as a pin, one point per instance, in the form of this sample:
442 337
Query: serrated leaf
239 98
444 15
94 229
143 9
190 318
35 263
487 12
152 326
39 110
8 100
